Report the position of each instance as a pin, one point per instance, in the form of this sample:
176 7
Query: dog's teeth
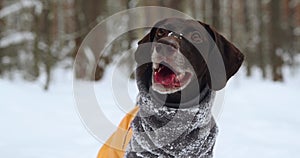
155 65
159 69
181 76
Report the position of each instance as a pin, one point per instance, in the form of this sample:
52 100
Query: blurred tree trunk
297 14
289 26
1 4
36 51
176 4
1 21
227 19
193 8
216 14
246 16
203 10
90 12
131 36
61 18
94 11
259 46
275 34
48 58
297 23
245 21
81 24
231 25
130 22
153 16
1 30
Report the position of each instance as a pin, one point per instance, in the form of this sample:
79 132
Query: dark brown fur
231 57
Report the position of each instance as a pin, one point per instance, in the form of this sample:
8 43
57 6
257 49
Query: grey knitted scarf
159 131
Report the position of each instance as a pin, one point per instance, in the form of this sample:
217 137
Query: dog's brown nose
165 50
167 46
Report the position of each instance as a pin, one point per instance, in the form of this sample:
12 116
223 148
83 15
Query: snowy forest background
38 36
39 40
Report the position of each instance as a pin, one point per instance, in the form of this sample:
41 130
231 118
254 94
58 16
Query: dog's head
177 55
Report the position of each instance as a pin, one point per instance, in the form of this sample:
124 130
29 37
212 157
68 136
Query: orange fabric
116 145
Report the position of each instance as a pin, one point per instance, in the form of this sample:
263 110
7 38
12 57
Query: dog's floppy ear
149 37
232 59
145 39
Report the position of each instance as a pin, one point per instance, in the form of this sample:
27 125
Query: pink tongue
165 76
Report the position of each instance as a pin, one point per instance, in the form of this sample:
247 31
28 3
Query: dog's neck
160 130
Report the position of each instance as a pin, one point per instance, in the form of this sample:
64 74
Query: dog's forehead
176 24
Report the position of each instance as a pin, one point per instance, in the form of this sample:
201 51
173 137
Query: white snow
259 119
16 7
36 124
15 38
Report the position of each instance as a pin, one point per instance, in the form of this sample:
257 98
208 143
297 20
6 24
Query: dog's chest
158 130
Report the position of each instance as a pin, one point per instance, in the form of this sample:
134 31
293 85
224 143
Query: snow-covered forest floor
260 118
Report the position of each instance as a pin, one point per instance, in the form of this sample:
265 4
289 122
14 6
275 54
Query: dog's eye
161 32
196 37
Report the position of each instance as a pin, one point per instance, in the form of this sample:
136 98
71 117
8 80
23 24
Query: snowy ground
259 119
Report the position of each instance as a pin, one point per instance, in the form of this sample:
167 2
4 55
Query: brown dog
183 55
181 63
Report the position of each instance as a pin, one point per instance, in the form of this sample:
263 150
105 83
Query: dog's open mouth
167 80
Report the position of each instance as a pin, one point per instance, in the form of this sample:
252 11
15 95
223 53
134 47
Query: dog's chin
165 80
